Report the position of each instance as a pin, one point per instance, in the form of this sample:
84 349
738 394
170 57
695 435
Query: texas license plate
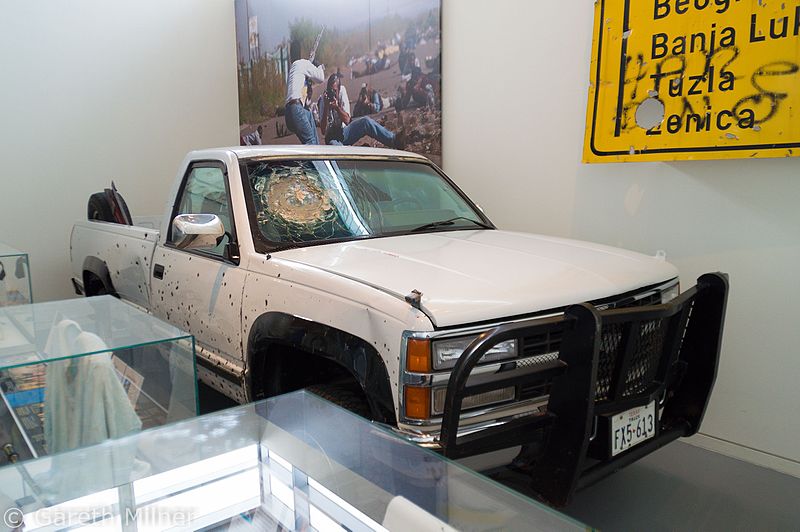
632 427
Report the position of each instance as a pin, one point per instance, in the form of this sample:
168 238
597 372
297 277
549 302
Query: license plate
632 427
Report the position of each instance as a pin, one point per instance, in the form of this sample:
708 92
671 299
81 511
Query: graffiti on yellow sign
694 79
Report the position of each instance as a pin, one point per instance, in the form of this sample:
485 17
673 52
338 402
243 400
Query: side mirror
197 231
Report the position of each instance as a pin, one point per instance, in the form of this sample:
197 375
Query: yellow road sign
694 79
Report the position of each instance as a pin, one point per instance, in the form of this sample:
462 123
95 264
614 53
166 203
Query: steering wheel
409 203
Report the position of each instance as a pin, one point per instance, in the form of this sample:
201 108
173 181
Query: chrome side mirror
197 231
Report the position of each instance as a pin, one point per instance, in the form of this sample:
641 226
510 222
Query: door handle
158 271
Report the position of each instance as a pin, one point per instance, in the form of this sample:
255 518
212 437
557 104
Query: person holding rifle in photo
299 119
302 75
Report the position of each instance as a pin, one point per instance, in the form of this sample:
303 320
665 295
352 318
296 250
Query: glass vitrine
15 277
77 372
294 462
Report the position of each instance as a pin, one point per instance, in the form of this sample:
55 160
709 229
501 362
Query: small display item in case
78 372
15 277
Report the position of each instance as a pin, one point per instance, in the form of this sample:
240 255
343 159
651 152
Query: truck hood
473 276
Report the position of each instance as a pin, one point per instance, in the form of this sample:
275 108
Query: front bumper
473 422
609 362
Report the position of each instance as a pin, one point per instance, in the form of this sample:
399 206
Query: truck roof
250 152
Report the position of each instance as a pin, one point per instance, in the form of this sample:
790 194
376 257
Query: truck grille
652 299
643 367
541 344
538 349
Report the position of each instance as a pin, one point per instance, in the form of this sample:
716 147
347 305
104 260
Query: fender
352 353
99 269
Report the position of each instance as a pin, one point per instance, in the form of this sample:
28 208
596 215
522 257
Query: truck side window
204 193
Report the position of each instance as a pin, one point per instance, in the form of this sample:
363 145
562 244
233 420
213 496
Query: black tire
99 209
94 286
344 396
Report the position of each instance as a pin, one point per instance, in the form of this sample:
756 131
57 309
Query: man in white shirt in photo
299 119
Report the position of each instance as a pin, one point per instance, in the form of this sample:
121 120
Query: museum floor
679 487
683 487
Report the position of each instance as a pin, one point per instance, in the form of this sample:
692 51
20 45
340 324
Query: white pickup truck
367 276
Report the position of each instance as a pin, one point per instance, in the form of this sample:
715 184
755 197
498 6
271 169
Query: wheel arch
94 267
274 331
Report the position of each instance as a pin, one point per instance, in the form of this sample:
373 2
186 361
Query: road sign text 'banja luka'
693 79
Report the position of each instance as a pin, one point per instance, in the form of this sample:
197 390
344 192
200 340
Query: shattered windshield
306 201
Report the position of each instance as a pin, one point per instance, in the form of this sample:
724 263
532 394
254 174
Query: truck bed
127 251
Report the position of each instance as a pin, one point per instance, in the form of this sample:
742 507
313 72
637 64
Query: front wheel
345 396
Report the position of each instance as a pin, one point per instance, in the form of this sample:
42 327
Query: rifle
311 57
313 53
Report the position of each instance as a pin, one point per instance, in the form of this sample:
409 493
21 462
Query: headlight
446 352
668 294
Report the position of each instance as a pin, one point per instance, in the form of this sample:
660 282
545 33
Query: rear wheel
343 395
93 286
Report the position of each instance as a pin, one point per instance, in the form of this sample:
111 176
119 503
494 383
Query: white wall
516 76
92 90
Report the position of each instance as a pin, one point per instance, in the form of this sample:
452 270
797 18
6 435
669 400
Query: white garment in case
85 402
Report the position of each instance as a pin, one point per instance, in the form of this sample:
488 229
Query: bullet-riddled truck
368 277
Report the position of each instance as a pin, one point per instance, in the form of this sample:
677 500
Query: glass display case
77 372
15 277
294 462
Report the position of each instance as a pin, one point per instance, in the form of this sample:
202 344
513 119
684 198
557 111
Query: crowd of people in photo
330 119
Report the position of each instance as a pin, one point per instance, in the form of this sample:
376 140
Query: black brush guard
609 361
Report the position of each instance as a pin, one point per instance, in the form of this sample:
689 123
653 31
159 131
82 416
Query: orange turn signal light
418 355
418 402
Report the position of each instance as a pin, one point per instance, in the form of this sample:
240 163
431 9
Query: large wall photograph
353 72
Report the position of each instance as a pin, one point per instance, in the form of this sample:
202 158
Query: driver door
200 290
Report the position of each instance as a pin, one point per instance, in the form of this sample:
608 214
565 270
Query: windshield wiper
450 221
